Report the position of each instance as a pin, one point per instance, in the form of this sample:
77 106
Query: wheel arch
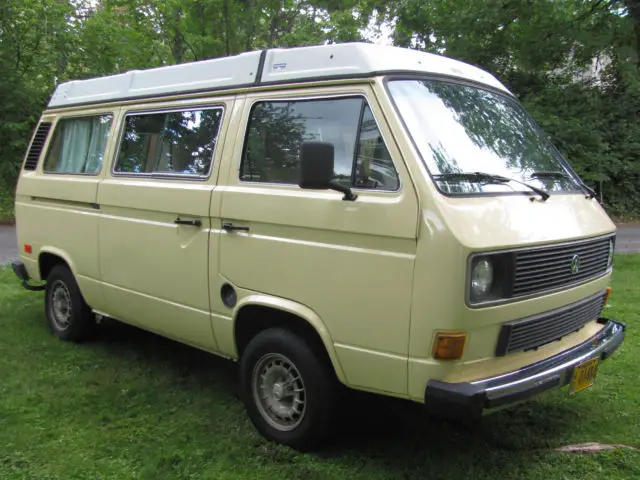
48 257
256 313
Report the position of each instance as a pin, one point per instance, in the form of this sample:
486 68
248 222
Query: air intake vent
533 332
36 146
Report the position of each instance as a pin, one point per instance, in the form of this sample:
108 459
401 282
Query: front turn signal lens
606 295
449 346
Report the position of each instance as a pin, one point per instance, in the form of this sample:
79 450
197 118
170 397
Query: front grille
547 268
533 332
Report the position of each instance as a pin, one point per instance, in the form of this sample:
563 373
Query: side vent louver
36 146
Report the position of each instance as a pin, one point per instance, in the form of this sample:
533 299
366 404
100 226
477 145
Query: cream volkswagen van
342 215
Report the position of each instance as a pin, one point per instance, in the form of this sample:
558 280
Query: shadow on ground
374 432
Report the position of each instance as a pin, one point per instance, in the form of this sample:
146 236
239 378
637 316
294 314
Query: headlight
489 278
611 249
481 278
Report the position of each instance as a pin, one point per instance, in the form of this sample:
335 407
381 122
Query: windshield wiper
591 193
549 175
489 177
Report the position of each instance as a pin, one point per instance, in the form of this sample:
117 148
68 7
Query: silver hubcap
60 308
278 391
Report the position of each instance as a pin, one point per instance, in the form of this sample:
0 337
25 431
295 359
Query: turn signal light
606 295
449 346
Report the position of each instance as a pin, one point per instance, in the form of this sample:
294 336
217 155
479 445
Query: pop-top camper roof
273 66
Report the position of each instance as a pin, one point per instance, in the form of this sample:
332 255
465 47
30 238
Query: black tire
318 379
63 299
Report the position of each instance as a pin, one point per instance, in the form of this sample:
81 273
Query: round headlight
610 259
481 278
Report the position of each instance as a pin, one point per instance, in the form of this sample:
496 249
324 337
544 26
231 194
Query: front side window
460 130
277 130
374 167
78 145
172 143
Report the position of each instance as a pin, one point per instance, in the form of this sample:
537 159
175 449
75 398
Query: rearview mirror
316 169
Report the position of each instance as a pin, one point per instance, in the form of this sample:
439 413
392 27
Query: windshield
460 129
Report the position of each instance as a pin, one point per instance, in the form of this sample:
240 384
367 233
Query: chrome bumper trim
471 398
555 371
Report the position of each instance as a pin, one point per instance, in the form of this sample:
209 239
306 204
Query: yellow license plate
584 375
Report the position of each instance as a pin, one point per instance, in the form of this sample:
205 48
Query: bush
6 204
596 128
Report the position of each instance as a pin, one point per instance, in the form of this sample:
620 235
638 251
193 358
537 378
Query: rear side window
277 129
78 145
170 143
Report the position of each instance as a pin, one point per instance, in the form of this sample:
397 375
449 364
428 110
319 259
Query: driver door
349 261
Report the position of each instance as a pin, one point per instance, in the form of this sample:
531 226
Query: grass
132 405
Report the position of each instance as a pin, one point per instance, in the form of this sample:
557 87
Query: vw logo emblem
575 264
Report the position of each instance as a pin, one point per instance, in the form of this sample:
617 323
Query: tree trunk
177 43
634 12
226 27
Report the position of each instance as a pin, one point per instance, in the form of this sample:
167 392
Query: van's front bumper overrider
469 399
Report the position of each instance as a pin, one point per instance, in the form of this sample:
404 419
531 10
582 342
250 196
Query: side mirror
316 169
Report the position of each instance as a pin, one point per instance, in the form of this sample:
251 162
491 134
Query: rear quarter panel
55 214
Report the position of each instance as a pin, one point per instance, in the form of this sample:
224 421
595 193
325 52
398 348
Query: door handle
195 223
229 227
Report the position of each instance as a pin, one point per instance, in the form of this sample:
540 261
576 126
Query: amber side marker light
606 295
449 346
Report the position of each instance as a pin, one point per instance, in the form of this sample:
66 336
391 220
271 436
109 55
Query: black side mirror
316 169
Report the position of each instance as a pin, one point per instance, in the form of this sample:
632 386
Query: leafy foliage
573 63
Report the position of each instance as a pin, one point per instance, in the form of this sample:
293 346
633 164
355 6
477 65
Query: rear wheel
288 389
68 315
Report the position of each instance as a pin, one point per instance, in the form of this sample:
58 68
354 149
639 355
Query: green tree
543 50
36 38
574 64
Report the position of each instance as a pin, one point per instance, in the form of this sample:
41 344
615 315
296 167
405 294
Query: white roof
281 65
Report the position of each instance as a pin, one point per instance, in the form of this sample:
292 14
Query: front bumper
470 399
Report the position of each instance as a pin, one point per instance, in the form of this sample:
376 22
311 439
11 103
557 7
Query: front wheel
288 390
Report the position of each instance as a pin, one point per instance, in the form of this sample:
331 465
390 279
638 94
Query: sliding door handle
230 227
195 223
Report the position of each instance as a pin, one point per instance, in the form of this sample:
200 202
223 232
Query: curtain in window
73 152
83 144
97 143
